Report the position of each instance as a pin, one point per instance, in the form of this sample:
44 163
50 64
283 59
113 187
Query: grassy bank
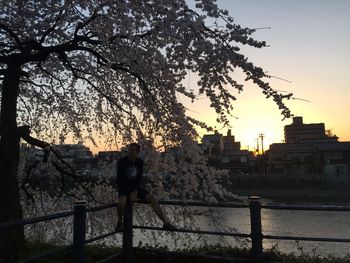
194 255
94 253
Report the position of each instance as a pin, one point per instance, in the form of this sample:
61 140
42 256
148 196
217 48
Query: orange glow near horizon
309 48
259 115
256 114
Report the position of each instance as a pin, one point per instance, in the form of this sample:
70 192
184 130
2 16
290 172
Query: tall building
77 156
298 132
215 149
308 150
233 158
226 153
230 143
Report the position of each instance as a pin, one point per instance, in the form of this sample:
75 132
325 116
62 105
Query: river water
274 222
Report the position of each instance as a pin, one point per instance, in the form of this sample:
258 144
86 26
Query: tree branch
81 25
12 34
24 132
52 28
51 75
142 84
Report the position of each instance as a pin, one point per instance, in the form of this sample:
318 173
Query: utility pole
261 136
257 146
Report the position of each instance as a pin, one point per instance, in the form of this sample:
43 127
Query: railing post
128 233
256 232
79 225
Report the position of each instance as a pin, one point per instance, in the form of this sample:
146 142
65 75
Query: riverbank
279 187
324 196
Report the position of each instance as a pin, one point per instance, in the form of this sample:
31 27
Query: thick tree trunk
11 239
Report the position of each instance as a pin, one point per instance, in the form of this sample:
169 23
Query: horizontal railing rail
203 204
204 232
307 207
314 239
256 235
46 254
29 221
101 207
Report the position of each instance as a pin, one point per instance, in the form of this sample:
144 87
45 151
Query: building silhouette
299 132
224 152
309 150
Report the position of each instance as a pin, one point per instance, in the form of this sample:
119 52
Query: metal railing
256 235
79 231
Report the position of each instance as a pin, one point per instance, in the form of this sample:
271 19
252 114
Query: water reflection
278 222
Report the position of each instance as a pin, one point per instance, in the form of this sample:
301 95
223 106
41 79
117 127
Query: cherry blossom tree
112 67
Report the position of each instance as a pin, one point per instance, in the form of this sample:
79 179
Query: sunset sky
309 46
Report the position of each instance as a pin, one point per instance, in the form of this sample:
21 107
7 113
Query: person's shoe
119 227
169 227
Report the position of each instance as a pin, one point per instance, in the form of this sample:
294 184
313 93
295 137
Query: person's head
133 150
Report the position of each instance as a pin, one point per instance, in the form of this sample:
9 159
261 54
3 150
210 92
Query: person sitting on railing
129 175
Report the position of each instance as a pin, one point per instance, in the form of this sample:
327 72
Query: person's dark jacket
129 174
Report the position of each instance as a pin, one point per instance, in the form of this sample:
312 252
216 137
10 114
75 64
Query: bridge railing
126 255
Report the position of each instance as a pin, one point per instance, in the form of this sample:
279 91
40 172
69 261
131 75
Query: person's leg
120 210
150 198
133 197
121 205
